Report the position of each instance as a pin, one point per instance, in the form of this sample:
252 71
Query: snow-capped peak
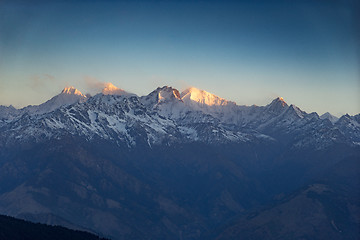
279 101
110 89
277 106
68 96
202 97
329 116
160 95
165 93
72 91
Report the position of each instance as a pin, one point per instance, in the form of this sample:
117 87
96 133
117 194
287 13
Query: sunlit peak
279 100
72 90
110 89
202 97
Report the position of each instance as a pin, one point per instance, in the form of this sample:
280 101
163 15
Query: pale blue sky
245 51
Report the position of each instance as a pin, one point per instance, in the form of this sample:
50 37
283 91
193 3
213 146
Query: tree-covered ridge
17 229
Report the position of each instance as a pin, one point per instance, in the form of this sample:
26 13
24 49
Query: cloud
41 82
183 85
50 77
94 84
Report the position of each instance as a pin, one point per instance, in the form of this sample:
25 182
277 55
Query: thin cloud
50 77
183 85
93 84
41 82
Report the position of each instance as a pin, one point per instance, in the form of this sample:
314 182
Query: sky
249 52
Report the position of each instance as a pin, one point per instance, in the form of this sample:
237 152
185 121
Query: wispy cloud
39 83
93 84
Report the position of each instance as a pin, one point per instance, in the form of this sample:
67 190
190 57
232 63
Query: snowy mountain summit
72 91
166 94
329 116
202 97
110 89
68 96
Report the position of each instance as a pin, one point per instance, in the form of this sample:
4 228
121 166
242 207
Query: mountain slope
325 209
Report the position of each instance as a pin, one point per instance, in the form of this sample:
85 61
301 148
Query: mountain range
173 165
